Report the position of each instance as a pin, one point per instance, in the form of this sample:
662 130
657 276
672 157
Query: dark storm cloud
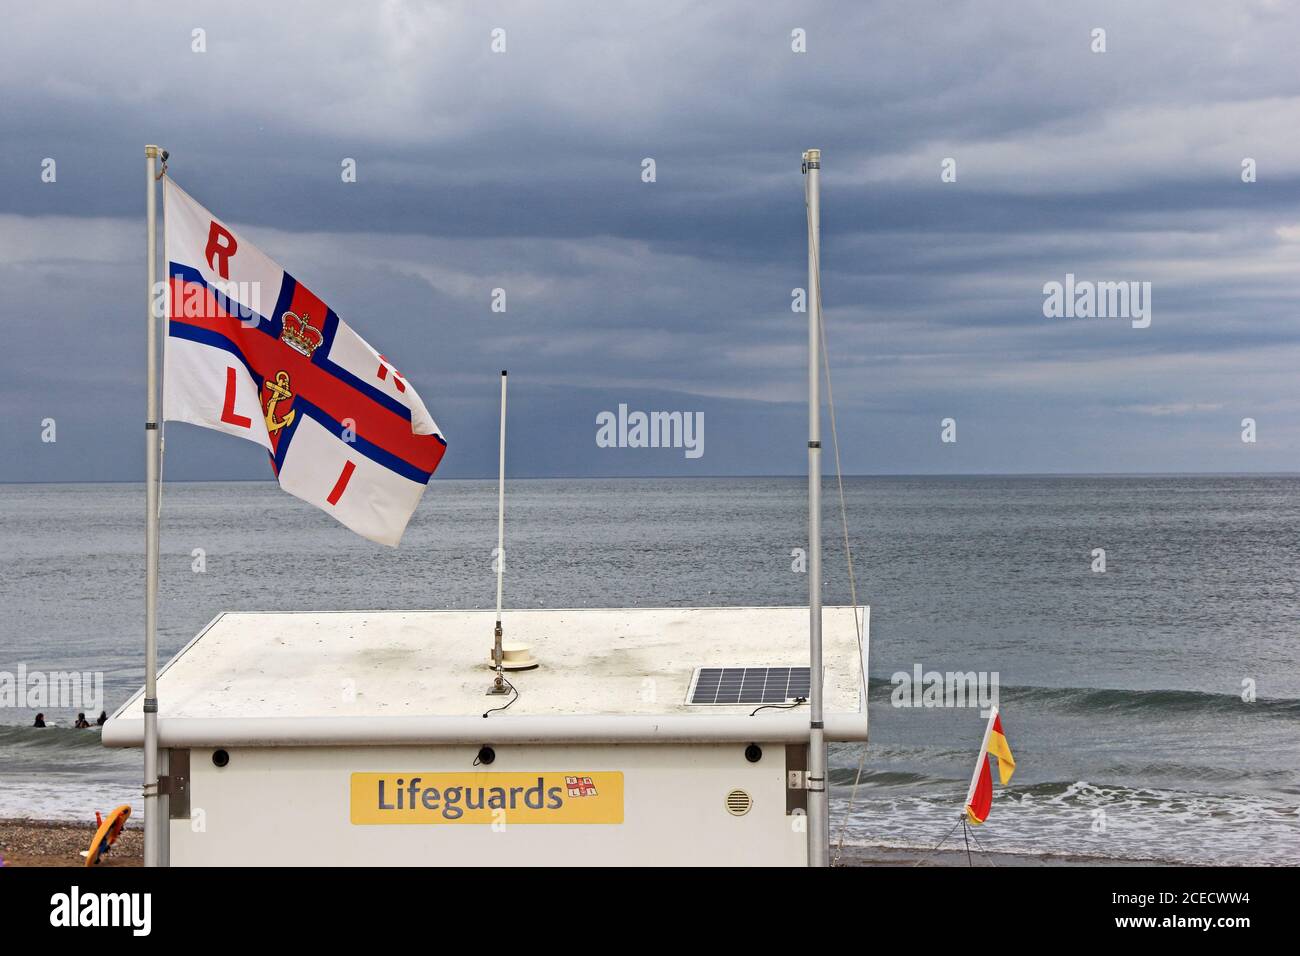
522 170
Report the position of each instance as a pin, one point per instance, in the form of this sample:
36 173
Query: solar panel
748 685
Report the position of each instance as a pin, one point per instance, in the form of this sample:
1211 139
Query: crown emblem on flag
299 334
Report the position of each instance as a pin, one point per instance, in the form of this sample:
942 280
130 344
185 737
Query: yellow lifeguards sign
488 797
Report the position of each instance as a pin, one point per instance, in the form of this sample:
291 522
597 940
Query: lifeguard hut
642 736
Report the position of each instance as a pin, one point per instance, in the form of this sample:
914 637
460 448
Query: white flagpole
979 761
498 684
818 807
152 825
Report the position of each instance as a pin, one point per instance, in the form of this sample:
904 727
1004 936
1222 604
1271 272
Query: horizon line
795 475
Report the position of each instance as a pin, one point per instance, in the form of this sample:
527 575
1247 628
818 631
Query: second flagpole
818 798
152 824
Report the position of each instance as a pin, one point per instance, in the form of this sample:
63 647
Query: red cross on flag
250 351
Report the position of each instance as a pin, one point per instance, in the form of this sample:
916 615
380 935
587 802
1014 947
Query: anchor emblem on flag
279 389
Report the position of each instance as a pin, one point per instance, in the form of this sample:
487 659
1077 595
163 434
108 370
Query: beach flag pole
152 824
818 809
979 762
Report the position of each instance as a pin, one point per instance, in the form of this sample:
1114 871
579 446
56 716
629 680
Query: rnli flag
251 351
979 799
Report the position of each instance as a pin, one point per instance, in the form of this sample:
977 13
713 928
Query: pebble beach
50 843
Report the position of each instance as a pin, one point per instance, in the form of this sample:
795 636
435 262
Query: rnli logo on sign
486 797
580 787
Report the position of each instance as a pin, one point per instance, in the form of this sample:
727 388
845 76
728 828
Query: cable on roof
513 689
797 701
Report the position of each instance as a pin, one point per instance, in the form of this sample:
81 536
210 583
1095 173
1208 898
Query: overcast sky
523 170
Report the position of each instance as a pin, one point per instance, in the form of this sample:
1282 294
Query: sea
1140 632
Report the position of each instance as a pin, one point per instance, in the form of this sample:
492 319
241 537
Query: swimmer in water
82 723
40 721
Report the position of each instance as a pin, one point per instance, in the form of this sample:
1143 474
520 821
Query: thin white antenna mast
499 685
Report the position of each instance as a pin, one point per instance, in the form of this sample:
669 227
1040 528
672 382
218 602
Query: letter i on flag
979 799
250 351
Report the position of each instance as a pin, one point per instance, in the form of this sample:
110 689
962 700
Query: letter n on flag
250 351
979 799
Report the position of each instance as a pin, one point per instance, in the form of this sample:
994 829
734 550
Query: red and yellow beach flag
980 796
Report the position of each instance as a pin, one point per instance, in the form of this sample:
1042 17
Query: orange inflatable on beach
110 828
